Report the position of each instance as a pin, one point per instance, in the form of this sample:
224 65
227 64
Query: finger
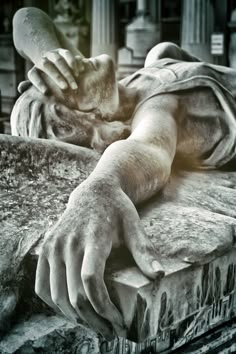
80 63
93 280
37 81
23 86
51 70
144 253
62 66
78 298
42 284
70 60
140 246
58 287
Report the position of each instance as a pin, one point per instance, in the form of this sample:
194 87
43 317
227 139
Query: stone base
191 223
183 306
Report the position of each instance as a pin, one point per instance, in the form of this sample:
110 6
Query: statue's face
98 88
39 116
78 118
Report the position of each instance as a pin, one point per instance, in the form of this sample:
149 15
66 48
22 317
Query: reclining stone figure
176 108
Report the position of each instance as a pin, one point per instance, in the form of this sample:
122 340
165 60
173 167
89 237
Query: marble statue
177 109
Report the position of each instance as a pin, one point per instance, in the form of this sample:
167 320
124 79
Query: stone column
197 27
104 28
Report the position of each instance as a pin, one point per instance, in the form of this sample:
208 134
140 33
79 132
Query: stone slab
191 223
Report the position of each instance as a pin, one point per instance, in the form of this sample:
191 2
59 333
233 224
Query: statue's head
79 118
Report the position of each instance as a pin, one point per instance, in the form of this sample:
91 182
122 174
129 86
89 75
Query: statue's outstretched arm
101 215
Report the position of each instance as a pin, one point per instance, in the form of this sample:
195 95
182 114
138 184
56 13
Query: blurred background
125 29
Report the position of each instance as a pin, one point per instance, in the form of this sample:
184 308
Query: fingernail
63 85
157 267
74 86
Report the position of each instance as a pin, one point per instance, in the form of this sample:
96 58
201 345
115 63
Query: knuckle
52 247
54 52
67 54
58 77
44 61
45 250
58 60
56 247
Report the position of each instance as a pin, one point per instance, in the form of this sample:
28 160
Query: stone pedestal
104 28
191 224
197 27
141 35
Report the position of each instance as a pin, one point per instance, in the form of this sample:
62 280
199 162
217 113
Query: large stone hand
61 66
70 271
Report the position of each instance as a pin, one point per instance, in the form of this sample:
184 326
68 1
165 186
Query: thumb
23 86
141 247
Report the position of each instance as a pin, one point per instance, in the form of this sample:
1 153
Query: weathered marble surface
191 222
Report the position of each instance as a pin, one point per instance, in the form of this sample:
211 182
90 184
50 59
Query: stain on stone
217 283
162 313
207 285
230 281
198 302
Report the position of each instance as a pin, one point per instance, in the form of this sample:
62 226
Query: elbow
23 22
28 16
18 24
19 19
23 14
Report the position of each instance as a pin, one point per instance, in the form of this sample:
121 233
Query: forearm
139 169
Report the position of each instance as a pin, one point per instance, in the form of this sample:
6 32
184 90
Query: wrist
102 183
